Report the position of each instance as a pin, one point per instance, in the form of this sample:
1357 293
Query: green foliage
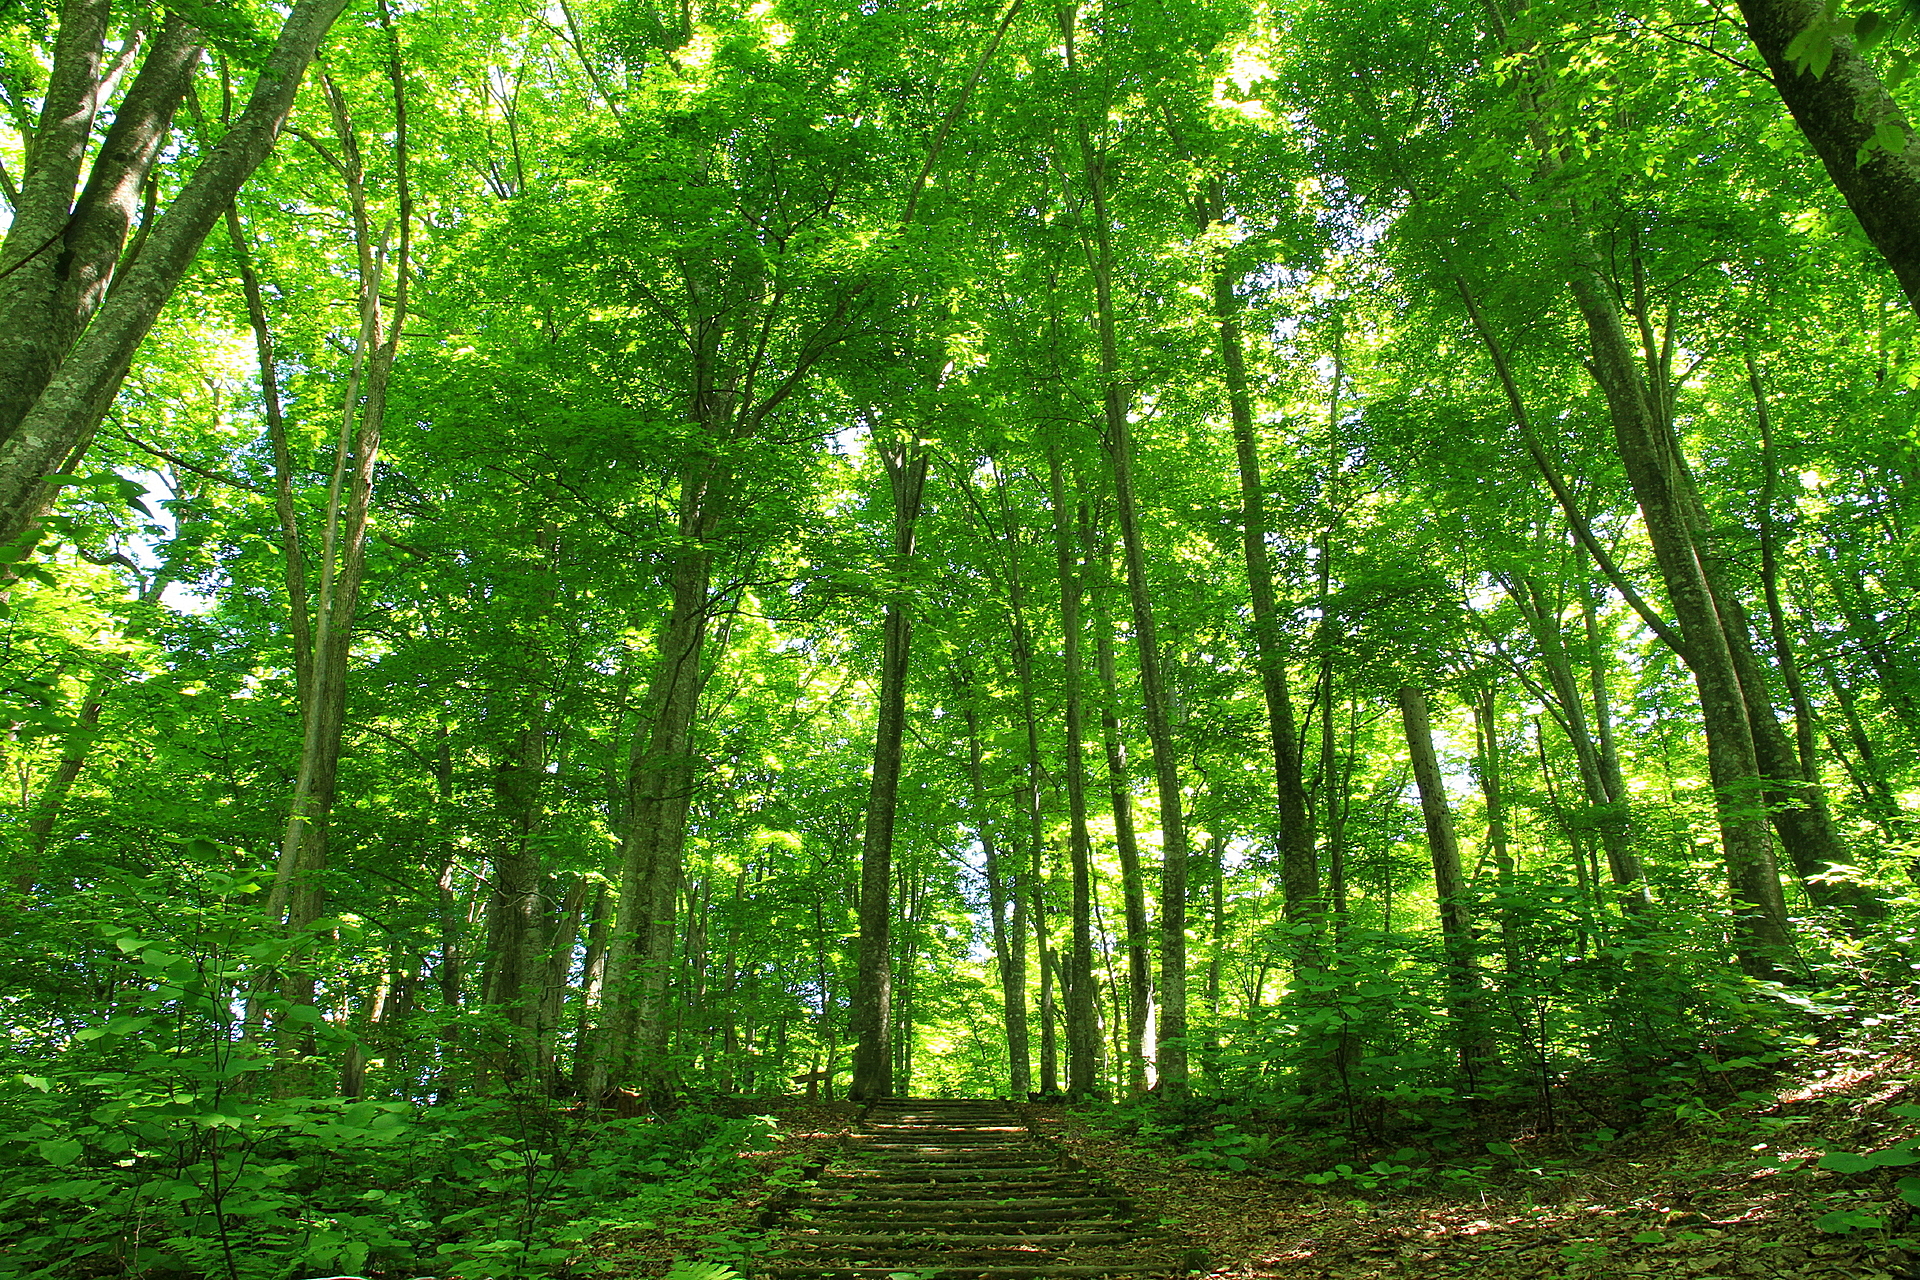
247 1187
662 257
701 1271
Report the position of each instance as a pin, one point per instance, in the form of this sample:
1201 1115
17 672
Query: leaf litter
1743 1195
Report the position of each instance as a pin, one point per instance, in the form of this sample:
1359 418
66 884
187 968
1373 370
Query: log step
957 1191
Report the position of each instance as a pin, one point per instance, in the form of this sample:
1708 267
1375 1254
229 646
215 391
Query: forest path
959 1189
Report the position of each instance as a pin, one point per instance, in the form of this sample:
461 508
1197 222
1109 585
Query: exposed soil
1735 1196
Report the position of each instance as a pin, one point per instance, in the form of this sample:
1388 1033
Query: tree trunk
1299 870
1450 891
630 1043
1047 959
517 917
1840 111
1760 913
1009 940
872 1011
60 253
1609 806
1796 798
297 888
63 417
1118 438
1083 1040
1141 1056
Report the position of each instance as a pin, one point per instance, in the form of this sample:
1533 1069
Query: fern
684 1270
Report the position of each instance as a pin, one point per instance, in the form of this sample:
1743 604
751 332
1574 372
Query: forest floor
725 1230
1734 1191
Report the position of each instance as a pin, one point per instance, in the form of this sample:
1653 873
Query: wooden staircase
958 1190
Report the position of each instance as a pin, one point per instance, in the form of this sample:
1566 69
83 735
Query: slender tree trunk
1027 889
1299 870
1607 752
1493 792
1140 1056
1216 856
556 968
1576 850
730 991
1083 1042
74 749
1118 437
872 1007
1804 724
1009 944
1450 890
298 888
592 977
1797 799
1760 913
1044 954
292 554
1608 805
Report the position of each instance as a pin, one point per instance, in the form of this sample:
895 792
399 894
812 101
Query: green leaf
1649 1237
706 1271
61 1151
1847 1162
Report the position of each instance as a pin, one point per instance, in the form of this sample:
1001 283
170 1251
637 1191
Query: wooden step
944 1270
960 1191
943 1240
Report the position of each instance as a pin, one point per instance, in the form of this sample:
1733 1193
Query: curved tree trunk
62 418
1840 111
61 253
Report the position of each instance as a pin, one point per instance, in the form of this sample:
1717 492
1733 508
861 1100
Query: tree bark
659 793
1083 1039
1760 913
872 1012
1140 1048
63 417
1009 939
1608 804
1450 891
1839 112
297 888
1299 869
1118 437
62 253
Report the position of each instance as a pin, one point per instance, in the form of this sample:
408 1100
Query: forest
1316 583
